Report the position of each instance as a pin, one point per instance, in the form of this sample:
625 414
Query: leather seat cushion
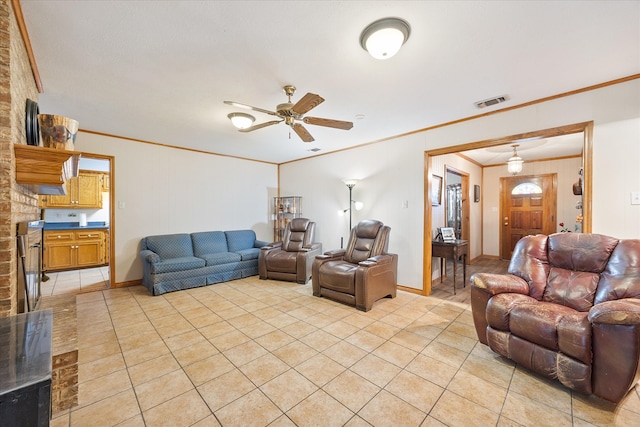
574 336
339 276
499 308
281 261
575 289
538 322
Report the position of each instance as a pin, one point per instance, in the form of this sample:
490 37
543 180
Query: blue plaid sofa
172 262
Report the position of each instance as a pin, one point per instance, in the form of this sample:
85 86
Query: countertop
75 225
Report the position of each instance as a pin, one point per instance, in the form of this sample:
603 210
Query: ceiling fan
292 114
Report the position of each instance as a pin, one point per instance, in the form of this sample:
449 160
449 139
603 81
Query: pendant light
514 164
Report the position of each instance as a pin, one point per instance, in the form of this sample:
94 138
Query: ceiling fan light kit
241 120
291 114
514 164
384 37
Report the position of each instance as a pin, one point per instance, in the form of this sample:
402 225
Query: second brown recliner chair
363 272
292 258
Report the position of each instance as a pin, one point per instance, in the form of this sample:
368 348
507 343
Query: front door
528 206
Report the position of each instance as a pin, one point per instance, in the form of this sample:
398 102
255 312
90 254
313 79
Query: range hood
45 170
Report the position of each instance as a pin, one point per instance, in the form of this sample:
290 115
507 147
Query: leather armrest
379 260
494 284
334 254
624 311
149 256
311 247
272 245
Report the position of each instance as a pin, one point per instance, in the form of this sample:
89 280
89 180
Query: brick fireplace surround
17 84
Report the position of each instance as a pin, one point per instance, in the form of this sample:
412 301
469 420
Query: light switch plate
635 197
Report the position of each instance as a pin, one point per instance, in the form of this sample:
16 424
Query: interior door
528 206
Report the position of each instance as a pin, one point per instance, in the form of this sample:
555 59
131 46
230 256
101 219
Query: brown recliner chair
568 309
360 274
292 258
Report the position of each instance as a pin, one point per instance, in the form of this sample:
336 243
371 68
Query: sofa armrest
494 284
259 243
615 331
624 311
149 256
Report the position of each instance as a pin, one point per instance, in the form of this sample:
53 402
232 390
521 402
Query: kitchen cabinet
284 210
83 191
70 249
105 182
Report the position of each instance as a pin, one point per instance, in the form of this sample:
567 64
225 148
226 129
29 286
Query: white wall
166 190
393 171
161 190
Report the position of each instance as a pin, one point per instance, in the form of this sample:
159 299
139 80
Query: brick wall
16 203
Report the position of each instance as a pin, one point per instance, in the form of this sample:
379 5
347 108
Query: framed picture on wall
476 193
436 190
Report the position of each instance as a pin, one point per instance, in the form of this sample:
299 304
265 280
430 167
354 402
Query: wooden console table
453 250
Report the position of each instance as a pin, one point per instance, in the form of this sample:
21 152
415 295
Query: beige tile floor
268 353
76 281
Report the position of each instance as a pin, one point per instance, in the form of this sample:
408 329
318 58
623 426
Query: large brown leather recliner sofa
568 309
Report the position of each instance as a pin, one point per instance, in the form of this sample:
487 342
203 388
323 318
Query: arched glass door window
526 188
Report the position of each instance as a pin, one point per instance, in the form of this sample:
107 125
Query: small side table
25 369
452 250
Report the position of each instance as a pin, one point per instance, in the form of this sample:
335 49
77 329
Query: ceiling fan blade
259 126
249 107
309 101
338 124
302 132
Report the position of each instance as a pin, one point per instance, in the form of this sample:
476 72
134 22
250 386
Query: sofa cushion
499 308
221 258
538 322
575 289
170 245
580 251
574 336
251 253
209 242
621 278
238 240
176 264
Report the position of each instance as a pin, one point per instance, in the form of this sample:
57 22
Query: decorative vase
57 131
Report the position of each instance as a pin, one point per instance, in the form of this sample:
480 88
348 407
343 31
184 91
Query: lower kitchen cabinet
71 249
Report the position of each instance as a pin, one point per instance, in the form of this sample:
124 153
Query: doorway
584 128
82 259
457 202
528 205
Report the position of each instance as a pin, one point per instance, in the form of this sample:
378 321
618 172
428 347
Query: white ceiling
160 70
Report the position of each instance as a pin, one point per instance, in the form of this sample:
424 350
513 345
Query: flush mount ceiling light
241 120
384 37
514 164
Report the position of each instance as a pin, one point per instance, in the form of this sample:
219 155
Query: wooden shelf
44 170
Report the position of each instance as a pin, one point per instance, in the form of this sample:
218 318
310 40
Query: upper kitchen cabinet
84 191
105 181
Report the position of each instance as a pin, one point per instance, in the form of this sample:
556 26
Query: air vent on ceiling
492 101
